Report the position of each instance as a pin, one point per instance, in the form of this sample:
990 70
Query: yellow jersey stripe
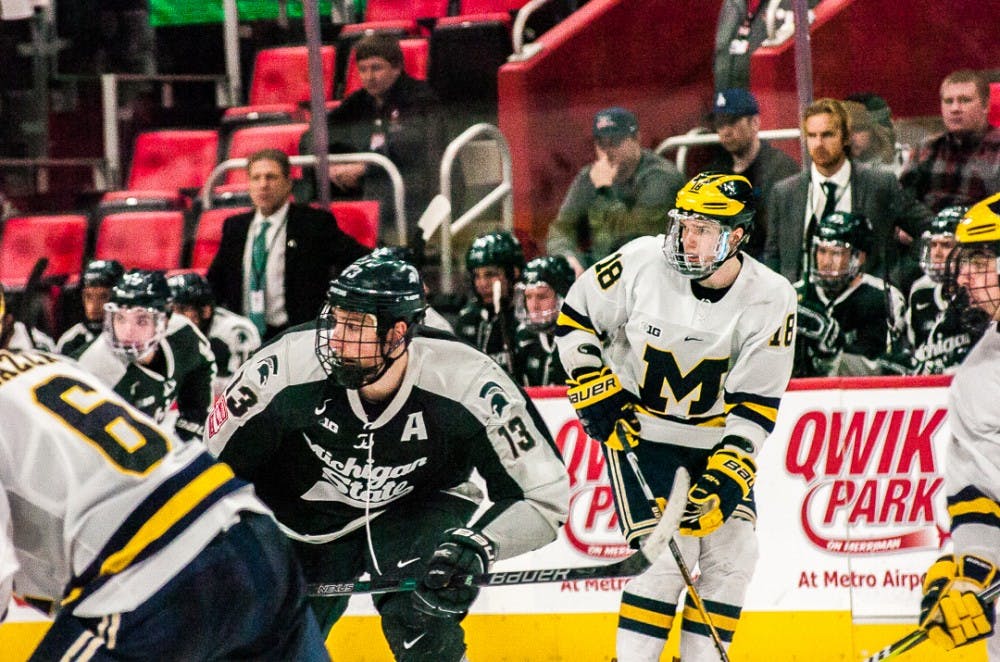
566 320
980 506
720 621
169 514
646 616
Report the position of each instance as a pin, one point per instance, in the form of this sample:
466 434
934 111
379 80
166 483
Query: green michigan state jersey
536 359
181 372
326 461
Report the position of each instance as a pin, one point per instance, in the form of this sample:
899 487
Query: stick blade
658 539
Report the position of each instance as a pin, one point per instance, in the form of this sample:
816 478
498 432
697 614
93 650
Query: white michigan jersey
972 474
701 370
105 506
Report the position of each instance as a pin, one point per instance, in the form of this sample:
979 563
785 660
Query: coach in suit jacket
304 249
834 183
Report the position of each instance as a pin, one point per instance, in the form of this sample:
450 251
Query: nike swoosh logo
319 410
921 306
412 642
403 564
687 338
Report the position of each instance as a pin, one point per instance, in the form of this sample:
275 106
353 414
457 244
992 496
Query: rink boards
851 512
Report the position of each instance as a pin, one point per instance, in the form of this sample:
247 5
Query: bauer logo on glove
600 403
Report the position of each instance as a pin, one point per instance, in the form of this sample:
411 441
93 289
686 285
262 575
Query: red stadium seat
397 16
415 63
142 239
61 239
209 234
173 159
144 200
281 75
358 218
994 116
466 7
246 141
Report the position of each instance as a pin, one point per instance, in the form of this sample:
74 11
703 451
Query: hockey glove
725 482
600 403
446 590
951 610
814 323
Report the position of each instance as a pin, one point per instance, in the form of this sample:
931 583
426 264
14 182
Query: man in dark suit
274 263
834 183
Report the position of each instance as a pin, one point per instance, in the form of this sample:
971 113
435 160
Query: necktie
831 199
258 277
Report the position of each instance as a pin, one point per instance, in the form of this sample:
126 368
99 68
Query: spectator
394 115
151 358
870 142
99 276
846 318
962 165
834 183
881 117
494 262
233 338
736 117
538 298
275 262
432 318
623 194
741 28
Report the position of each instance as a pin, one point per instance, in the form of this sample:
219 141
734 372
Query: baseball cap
615 122
736 102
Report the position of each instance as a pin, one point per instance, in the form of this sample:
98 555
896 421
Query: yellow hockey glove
726 481
951 610
601 403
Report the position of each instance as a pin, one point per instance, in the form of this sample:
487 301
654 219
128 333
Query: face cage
543 320
133 351
959 296
834 281
692 266
350 372
935 273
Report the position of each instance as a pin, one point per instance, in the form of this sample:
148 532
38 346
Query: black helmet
728 200
496 249
552 271
190 289
138 289
846 230
102 273
940 233
390 291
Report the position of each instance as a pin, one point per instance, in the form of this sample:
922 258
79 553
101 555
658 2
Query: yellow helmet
728 201
981 223
3 309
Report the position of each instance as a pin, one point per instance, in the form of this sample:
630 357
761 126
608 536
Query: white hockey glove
951 610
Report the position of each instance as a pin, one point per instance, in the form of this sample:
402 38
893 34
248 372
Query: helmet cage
833 280
538 320
697 266
128 349
934 270
978 299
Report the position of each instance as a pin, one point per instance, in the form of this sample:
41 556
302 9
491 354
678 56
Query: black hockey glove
600 403
725 482
817 325
446 590
951 610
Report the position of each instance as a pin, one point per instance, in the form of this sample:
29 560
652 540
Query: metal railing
502 193
699 136
520 24
398 188
109 104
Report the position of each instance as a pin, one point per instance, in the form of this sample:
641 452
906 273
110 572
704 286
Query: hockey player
152 549
362 437
98 277
846 318
150 357
233 338
432 318
685 344
951 610
537 300
494 262
935 330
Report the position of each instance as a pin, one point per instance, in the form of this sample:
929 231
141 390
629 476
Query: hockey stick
507 345
918 636
652 547
675 551
24 303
